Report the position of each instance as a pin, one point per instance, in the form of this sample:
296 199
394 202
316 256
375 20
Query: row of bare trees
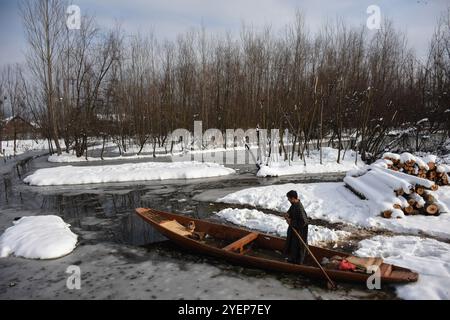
12 93
338 83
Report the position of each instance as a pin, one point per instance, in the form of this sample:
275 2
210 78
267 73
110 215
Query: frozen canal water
120 257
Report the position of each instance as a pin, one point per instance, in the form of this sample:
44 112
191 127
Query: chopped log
412 202
432 165
404 203
444 180
410 179
441 169
432 175
419 201
409 210
397 206
442 207
419 205
387 214
435 187
399 192
429 198
420 190
432 209
357 193
393 181
410 163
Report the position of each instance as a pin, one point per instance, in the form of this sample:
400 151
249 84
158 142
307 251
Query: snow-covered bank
428 257
70 175
65 158
23 146
177 154
333 202
41 237
269 223
71 158
330 155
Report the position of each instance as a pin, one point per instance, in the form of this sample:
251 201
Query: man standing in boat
296 218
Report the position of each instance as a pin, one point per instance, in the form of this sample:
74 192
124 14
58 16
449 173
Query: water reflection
137 232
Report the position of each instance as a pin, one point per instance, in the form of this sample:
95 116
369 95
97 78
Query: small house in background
20 127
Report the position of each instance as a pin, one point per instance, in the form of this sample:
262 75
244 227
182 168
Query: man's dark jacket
295 251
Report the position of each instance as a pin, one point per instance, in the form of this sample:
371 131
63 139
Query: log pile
417 203
395 187
426 168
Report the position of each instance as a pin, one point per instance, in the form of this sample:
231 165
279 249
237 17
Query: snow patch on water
70 175
41 237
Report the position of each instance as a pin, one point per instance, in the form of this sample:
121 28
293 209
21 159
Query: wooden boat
255 249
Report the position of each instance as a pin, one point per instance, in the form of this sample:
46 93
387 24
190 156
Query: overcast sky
167 18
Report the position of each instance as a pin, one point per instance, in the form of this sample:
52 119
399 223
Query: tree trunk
103 147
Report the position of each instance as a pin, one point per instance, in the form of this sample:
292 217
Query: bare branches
44 23
339 84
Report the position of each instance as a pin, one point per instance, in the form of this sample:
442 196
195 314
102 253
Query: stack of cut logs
420 200
400 185
417 167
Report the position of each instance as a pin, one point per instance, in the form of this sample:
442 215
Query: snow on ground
133 149
65 158
23 146
71 158
428 257
333 202
330 155
41 237
177 154
70 175
269 223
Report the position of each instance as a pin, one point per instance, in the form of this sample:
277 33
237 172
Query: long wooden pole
333 285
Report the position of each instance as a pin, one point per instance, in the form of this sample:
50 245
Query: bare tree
14 84
339 84
44 23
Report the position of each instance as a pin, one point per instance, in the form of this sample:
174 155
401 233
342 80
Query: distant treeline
94 83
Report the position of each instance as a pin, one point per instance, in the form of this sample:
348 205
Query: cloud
168 18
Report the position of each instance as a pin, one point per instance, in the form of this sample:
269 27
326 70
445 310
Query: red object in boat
346 266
